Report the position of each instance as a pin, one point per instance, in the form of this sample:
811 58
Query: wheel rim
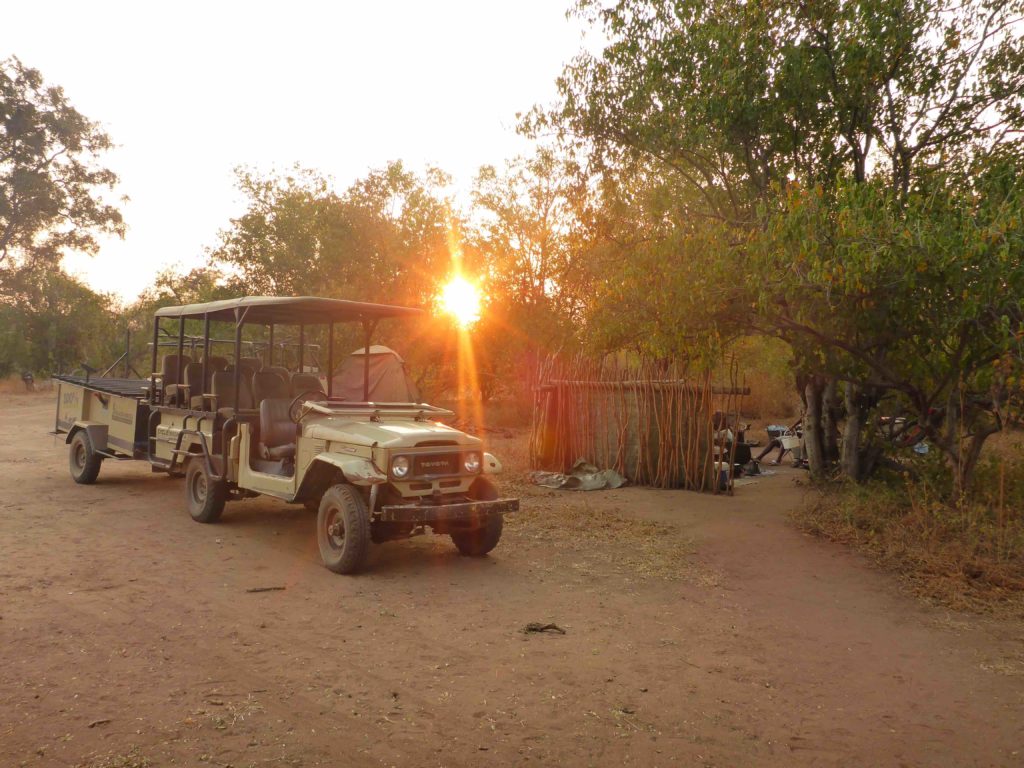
198 488
335 530
79 455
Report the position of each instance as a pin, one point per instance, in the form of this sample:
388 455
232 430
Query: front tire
83 461
204 496
343 529
477 542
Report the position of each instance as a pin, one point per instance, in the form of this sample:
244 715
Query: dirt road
699 631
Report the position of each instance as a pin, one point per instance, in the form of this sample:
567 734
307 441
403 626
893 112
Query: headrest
267 384
280 371
305 382
172 366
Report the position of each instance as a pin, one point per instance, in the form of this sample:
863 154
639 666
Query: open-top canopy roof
287 309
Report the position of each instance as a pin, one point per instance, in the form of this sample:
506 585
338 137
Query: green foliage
664 285
49 174
736 98
50 203
385 238
52 323
842 175
923 297
726 106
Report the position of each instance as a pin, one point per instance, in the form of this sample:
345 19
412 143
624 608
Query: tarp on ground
389 379
583 476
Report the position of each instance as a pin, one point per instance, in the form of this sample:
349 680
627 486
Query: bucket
789 442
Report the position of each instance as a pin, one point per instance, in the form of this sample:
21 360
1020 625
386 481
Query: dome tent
389 380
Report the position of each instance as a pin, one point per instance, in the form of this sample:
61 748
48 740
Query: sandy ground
699 631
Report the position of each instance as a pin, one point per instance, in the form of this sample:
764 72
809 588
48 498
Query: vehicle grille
436 464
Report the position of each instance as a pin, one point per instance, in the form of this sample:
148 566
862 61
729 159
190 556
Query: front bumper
464 510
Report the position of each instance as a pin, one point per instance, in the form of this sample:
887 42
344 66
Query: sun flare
461 299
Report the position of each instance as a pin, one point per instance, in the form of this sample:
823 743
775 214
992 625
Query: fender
357 470
97 434
491 465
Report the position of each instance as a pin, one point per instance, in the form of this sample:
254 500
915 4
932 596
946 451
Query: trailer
102 418
106 418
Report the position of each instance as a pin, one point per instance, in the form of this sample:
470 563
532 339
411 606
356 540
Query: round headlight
471 461
400 467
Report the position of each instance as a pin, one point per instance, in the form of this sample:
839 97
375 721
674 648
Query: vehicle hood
386 433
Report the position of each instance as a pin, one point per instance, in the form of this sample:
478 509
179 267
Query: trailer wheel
83 460
343 529
204 496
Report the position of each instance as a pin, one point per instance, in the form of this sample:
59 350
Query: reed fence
652 423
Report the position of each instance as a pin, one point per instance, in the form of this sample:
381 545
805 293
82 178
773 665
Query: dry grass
598 535
601 540
13 385
967 559
514 454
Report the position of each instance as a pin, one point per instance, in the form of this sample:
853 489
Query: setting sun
461 299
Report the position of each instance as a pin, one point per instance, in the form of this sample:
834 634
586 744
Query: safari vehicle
373 471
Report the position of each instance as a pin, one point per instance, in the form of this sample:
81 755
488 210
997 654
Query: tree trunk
968 460
830 415
851 456
964 454
953 444
813 442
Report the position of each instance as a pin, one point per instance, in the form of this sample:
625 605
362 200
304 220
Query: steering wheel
295 409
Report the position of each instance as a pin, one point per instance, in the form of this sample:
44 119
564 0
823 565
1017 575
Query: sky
189 91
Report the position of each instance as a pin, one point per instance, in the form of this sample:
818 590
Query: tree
921 296
384 239
404 228
530 232
736 104
199 285
736 98
50 177
289 238
659 281
54 323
